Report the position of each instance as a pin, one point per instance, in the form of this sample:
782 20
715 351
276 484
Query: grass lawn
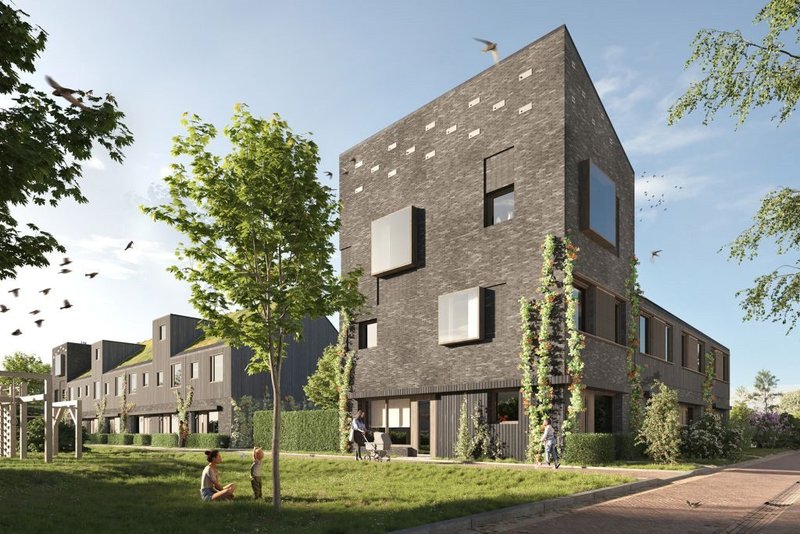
688 464
129 490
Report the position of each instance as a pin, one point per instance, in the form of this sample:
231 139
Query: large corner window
644 334
368 334
460 316
498 171
393 242
598 203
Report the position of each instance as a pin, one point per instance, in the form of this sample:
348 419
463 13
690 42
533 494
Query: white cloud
164 171
107 255
657 137
657 192
95 163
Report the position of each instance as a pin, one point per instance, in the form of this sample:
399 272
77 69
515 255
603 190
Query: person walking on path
210 488
549 440
358 433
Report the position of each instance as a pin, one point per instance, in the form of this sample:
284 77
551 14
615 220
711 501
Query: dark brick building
446 211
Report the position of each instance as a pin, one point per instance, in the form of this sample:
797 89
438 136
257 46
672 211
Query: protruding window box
461 316
394 240
599 205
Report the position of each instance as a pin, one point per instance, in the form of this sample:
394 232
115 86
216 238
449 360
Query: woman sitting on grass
210 488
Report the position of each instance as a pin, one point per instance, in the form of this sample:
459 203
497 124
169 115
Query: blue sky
344 70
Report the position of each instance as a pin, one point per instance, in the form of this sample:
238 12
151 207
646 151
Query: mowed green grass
129 490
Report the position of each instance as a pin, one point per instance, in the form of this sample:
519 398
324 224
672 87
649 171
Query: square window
460 316
368 334
499 206
644 334
216 368
598 203
177 375
162 331
393 242
160 378
506 406
194 370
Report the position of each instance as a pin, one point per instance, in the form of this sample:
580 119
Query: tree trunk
276 429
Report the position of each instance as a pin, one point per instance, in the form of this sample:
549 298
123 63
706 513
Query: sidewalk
758 496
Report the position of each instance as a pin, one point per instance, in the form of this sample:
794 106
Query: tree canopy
259 226
43 143
322 387
765 390
20 362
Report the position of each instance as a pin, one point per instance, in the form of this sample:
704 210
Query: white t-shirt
208 478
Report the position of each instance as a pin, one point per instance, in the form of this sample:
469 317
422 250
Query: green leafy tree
99 413
790 403
322 388
743 74
661 427
182 405
260 228
44 141
125 407
765 391
19 362
463 445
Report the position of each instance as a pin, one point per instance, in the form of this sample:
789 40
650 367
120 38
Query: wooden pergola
14 416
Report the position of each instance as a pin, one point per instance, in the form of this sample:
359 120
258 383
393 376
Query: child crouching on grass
255 472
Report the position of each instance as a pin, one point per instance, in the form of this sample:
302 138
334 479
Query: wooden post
23 422
77 418
12 445
48 420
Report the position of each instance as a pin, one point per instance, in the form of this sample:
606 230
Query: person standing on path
358 433
549 440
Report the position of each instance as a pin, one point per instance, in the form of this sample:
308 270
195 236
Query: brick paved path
731 500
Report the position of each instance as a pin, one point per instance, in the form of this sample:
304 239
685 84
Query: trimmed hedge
164 440
625 447
303 430
120 439
589 449
98 438
208 441
142 439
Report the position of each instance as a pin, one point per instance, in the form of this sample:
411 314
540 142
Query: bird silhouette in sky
489 47
34 312
39 322
66 93
329 174
66 305
45 290
130 245
15 291
16 332
91 275
64 271
4 308
655 254
66 262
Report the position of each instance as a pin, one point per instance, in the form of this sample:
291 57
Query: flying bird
39 322
15 291
91 275
694 504
489 47
4 308
45 290
654 254
130 245
66 261
66 93
64 271
34 312
329 174
66 305
16 332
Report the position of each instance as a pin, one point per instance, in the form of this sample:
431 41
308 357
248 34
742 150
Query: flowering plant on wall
634 291
708 383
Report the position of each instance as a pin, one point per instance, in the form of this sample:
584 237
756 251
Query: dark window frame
495 403
669 349
363 337
585 198
489 208
581 307
645 346
176 375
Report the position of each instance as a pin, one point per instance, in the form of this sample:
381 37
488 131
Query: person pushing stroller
358 433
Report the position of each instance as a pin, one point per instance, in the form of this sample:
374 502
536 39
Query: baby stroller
378 449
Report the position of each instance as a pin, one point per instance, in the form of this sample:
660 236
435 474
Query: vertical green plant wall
708 383
344 381
634 292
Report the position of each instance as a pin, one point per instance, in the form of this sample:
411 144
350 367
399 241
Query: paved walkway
761 497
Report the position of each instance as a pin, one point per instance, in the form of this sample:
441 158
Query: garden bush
98 438
661 430
771 429
164 440
66 435
708 438
208 441
589 449
625 447
142 439
303 430
120 439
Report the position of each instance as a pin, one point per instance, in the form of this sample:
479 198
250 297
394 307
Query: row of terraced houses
446 210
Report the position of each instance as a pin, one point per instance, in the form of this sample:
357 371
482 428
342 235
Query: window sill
604 340
507 422
693 371
658 359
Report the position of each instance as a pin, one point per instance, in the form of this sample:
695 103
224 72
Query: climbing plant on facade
634 291
708 383
344 380
575 340
125 407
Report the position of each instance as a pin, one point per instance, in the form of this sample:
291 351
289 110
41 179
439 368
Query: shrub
120 439
770 428
463 445
164 440
242 424
303 430
704 438
625 447
208 441
740 419
98 438
66 435
661 430
142 439
589 449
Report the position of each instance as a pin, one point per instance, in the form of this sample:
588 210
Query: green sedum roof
143 356
203 341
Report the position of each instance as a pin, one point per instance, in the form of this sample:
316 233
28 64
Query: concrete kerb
577 500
